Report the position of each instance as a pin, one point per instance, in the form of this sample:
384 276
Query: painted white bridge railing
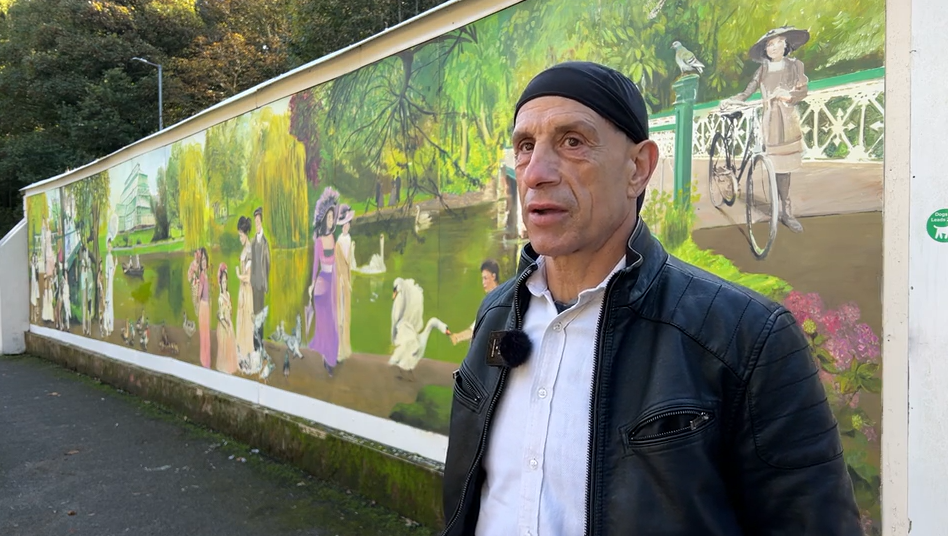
842 119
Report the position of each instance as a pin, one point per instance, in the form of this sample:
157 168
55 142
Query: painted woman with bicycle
782 85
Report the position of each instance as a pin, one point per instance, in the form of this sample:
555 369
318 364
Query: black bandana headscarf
606 91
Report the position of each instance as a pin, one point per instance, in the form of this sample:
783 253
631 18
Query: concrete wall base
397 480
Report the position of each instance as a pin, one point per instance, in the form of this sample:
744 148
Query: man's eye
526 146
573 141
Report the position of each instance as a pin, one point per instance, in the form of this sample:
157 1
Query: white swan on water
408 337
376 263
422 219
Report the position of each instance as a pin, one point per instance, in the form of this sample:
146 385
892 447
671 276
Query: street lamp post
161 124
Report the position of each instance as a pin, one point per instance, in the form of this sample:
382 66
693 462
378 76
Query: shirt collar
537 284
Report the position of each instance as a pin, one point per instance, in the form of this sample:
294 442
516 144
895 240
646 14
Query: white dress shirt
536 454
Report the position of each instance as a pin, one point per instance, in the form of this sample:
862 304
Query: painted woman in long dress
322 290
345 261
204 311
244 329
226 345
109 276
782 84
49 275
34 288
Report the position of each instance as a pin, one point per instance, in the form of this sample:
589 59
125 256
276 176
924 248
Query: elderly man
611 389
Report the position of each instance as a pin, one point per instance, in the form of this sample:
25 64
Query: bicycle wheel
722 181
763 211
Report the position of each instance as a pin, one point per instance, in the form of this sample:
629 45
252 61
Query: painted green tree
307 115
226 153
277 175
194 207
159 207
169 190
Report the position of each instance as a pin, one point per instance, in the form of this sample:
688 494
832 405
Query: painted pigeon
686 59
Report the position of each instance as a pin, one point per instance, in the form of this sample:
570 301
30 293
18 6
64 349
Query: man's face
258 223
576 176
488 281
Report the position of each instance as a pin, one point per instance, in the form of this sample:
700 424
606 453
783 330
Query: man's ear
645 157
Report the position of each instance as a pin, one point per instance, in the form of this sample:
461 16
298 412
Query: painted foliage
337 243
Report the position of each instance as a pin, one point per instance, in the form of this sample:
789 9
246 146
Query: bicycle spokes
762 207
722 180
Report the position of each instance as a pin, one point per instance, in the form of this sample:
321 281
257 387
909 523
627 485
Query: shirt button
534 463
541 393
557 327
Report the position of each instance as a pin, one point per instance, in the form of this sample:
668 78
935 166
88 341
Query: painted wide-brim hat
344 214
795 37
327 201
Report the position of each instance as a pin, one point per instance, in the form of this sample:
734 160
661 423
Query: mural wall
337 243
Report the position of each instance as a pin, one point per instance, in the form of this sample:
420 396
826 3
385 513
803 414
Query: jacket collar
644 258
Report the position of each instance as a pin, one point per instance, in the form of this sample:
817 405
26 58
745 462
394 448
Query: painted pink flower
870 433
866 343
804 306
842 352
814 304
831 322
850 313
854 401
866 522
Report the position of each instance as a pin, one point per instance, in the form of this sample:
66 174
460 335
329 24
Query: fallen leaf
54 393
162 468
71 512
71 452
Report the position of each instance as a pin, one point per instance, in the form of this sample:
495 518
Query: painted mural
337 243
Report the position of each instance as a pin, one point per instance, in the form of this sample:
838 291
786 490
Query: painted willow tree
277 176
195 212
384 116
477 104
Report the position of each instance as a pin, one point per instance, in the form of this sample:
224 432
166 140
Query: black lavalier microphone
508 349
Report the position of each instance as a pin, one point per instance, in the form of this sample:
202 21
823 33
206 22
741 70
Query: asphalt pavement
80 457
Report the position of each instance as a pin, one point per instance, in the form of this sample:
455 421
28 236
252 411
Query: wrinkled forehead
777 40
553 114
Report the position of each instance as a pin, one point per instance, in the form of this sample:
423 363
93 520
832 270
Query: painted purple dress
326 337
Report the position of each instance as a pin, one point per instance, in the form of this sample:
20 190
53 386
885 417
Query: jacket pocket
667 426
467 390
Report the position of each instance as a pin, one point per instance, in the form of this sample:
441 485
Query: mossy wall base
395 479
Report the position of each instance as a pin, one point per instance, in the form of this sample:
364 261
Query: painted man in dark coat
259 268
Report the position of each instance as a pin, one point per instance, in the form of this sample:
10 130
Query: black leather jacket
708 417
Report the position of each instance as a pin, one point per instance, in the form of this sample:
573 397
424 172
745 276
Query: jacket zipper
594 399
596 388
518 316
701 418
471 399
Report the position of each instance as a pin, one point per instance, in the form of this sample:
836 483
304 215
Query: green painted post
686 92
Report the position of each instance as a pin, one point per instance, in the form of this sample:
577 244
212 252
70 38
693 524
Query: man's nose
542 169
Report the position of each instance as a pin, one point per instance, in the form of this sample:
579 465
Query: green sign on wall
938 225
